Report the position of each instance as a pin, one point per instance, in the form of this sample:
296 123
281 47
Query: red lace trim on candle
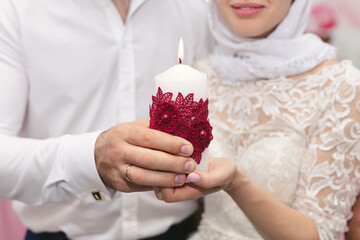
183 117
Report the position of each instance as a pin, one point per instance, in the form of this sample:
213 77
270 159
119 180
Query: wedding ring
126 174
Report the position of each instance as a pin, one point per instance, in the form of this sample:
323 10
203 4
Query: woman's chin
252 32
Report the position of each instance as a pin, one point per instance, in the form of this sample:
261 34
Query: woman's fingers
179 194
184 193
158 193
221 174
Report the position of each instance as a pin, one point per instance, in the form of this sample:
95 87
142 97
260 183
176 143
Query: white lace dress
298 139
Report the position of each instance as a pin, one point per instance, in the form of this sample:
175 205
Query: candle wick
180 61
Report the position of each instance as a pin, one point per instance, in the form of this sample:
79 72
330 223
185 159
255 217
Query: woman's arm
272 218
354 223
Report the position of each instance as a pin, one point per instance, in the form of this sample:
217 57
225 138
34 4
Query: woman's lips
246 9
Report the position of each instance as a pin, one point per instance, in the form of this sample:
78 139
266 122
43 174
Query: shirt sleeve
37 171
330 175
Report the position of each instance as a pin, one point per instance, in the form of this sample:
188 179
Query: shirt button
129 217
126 87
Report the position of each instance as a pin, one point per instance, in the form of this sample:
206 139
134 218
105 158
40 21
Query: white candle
185 80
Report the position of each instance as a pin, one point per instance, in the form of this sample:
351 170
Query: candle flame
181 51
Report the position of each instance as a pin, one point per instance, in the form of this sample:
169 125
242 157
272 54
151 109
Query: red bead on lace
183 117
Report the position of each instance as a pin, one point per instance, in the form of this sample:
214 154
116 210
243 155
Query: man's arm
51 170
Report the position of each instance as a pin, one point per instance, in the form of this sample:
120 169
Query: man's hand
156 158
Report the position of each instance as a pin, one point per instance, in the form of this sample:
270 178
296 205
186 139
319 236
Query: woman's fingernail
189 166
193 177
159 196
185 149
180 179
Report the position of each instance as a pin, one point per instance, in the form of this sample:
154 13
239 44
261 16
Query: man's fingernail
193 177
180 179
189 166
159 196
186 149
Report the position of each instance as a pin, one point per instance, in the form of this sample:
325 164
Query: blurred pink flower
323 20
11 227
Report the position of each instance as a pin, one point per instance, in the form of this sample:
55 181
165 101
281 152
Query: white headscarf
286 51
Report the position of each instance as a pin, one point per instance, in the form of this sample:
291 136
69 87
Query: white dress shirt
70 69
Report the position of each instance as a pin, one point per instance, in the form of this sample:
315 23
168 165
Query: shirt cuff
80 170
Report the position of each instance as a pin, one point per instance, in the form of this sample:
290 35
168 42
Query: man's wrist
82 177
99 149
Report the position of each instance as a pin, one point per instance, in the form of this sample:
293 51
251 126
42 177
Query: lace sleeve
330 175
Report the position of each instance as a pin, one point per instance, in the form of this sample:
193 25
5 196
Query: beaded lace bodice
299 139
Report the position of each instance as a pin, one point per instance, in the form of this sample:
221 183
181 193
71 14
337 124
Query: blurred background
335 21
338 22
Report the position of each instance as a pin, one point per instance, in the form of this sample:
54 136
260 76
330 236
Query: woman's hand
221 176
262 209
